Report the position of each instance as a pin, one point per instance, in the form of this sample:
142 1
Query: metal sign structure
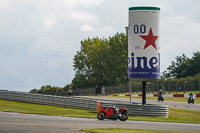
143 45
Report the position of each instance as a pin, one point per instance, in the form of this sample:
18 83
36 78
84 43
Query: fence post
157 86
199 87
184 87
191 86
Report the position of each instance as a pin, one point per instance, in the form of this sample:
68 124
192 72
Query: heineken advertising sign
143 44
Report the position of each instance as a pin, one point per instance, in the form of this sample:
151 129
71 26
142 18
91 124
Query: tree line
103 62
53 90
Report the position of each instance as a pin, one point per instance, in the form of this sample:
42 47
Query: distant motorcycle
113 113
160 98
69 92
191 99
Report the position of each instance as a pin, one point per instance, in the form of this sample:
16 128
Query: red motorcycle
113 113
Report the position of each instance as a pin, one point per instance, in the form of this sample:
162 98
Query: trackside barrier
84 103
156 95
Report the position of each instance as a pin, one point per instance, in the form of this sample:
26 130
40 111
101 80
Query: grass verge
175 115
28 108
120 130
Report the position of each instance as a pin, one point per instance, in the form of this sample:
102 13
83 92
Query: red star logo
150 39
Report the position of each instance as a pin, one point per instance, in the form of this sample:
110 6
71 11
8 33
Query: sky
39 38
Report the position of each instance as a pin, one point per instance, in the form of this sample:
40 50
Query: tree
183 67
117 68
101 62
89 63
33 91
194 67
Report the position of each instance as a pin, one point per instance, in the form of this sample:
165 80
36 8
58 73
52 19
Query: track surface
28 123
178 105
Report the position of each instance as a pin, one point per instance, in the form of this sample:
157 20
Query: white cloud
91 2
52 63
181 33
87 27
164 7
51 46
73 3
83 16
17 52
109 28
50 21
4 4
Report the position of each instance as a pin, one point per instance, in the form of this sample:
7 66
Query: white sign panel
143 43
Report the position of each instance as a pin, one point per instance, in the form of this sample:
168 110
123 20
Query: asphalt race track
28 123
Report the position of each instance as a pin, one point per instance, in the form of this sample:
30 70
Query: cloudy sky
39 38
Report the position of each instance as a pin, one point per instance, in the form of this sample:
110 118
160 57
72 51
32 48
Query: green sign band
144 8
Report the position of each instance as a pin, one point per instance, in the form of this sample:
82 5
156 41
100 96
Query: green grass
120 130
27 108
175 115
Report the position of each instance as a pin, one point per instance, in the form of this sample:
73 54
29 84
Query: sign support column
144 92
130 92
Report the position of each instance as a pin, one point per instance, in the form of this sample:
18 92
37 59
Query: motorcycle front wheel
163 100
123 117
101 116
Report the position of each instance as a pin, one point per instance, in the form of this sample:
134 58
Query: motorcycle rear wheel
101 116
123 117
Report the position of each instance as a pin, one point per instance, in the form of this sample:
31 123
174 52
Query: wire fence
136 88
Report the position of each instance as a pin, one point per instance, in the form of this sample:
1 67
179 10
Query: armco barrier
84 103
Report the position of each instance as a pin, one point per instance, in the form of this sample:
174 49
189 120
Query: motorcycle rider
160 93
190 95
191 98
115 109
161 96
